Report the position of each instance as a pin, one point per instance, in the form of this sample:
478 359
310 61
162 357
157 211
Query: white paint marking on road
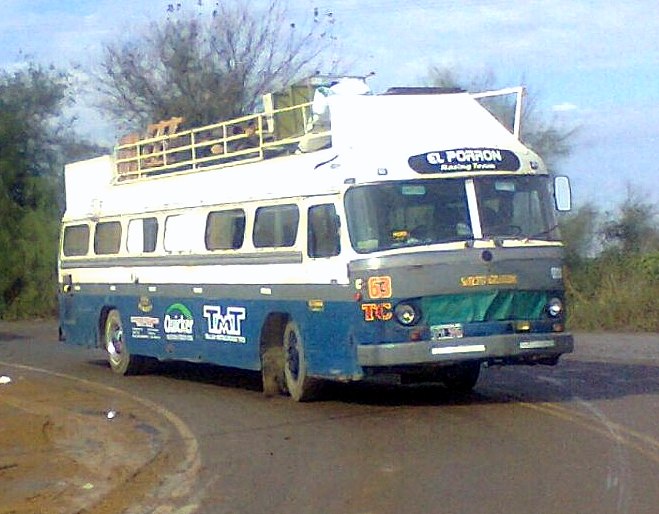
620 474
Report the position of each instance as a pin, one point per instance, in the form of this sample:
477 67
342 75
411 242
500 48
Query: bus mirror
562 193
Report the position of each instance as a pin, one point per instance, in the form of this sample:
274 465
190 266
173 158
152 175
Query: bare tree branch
208 66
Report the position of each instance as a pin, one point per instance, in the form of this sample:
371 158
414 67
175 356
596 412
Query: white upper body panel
373 139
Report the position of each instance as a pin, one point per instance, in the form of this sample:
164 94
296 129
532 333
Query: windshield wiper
543 233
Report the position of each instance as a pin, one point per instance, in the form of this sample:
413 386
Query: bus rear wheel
120 359
300 385
272 371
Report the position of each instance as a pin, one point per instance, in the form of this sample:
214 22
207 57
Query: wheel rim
293 355
114 344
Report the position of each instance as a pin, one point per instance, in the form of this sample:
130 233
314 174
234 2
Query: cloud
539 37
564 107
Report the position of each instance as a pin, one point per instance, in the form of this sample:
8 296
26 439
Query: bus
407 236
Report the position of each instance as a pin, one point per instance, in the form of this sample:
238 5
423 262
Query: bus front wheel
461 378
300 385
121 361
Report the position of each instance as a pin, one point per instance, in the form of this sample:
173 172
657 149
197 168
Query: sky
589 65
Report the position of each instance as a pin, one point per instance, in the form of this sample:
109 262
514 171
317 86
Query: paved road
580 437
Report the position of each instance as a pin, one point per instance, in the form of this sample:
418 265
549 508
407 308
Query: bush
615 292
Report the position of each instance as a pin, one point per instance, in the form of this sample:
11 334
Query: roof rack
287 125
237 141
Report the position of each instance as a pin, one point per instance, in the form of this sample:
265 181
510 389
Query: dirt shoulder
66 447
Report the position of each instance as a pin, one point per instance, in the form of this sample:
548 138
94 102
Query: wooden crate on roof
155 152
129 141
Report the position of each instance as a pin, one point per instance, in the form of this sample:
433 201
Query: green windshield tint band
485 306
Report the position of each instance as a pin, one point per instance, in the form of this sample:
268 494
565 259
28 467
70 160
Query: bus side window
184 233
76 240
275 226
142 235
225 230
323 231
150 234
107 237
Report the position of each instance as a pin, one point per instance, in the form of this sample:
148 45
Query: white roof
369 132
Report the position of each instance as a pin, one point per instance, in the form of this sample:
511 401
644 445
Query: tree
635 229
580 231
618 287
29 99
35 140
208 66
543 135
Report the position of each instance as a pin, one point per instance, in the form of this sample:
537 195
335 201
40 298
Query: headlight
555 307
406 314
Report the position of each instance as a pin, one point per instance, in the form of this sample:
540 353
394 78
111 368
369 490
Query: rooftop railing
255 137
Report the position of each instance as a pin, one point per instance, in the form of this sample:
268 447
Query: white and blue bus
406 235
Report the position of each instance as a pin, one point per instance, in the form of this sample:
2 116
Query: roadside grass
614 292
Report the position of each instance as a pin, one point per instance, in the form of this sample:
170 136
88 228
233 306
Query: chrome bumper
514 347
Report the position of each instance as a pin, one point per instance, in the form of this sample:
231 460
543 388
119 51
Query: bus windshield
516 207
408 213
423 212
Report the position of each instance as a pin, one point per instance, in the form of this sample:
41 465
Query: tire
120 359
301 387
461 378
272 371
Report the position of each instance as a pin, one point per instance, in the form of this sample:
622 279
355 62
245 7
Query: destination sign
465 159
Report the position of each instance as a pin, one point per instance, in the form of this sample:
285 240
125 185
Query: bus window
107 237
275 226
323 231
142 235
76 240
410 213
516 207
225 230
184 233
